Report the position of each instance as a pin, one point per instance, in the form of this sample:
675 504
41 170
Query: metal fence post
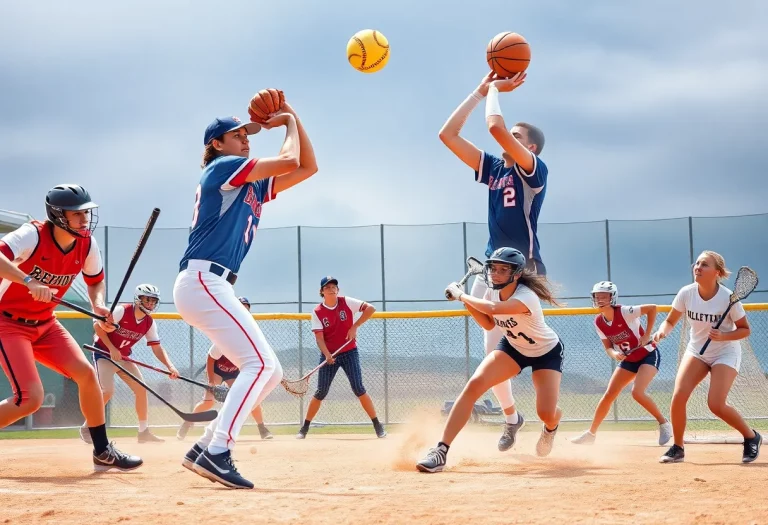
466 319
105 264
301 335
690 238
384 309
192 364
608 273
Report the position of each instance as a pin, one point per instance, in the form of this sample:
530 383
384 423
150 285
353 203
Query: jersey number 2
509 197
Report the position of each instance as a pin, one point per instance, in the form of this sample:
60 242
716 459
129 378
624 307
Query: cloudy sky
660 102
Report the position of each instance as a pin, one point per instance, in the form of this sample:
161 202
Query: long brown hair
540 285
209 154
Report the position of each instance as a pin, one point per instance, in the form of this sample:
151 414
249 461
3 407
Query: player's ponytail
209 154
540 285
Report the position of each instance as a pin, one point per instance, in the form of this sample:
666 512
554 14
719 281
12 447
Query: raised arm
307 162
450 132
497 127
288 159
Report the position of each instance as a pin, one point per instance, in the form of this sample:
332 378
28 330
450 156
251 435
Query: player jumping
516 187
135 322
228 206
703 302
512 303
38 261
218 370
334 327
620 331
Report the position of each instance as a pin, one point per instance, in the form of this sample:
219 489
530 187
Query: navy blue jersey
227 212
514 202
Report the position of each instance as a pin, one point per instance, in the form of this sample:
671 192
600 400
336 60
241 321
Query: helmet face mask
504 261
143 298
605 287
71 197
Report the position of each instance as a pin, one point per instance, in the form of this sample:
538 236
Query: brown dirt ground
329 479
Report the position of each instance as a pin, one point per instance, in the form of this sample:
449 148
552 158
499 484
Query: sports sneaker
509 434
587 438
380 432
434 461
301 434
264 432
191 456
675 454
85 435
113 458
149 437
221 468
752 448
547 438
184 430
665 433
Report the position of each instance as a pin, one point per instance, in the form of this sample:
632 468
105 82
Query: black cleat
191 456
221 468
434 461
675 454
380 432
752 448
264 432
509 435
149 437
113 458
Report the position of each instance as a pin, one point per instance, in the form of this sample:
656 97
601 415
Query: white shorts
729 357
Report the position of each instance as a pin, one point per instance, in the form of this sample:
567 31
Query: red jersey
130 331
35 252
625 332
335 322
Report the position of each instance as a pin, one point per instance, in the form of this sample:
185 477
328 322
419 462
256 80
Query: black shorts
552 360
225 376
653 359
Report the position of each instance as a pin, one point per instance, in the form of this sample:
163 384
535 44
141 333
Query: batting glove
453 292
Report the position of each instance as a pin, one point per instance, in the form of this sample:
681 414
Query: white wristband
492 106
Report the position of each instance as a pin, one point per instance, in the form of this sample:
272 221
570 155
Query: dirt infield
360 479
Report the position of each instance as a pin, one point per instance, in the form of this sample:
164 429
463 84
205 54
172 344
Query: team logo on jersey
343 315
51 279
253 202
502 182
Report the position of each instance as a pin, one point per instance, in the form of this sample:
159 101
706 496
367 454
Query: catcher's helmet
70 197
146 290
605 287
510 256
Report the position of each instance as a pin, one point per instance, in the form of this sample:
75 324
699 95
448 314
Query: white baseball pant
491 338
208 302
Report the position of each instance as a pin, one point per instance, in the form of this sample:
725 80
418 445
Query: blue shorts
348 361
653 359
552 360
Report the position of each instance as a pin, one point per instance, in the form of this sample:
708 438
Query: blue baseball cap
245 301
328 279
226 124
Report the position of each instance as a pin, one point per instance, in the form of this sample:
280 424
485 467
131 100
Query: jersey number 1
509 197
250 230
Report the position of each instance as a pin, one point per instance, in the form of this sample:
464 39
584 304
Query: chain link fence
413 362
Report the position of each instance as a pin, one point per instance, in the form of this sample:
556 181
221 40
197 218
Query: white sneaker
587 438
665 433
544 445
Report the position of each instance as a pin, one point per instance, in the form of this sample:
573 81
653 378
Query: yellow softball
368 51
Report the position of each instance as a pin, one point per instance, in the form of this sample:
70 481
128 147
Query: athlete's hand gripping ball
265 104
453 292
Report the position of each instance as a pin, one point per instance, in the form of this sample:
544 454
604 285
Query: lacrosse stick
746 282
475 267
300 387
219 391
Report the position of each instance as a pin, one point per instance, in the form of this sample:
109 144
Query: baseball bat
81 310
136 254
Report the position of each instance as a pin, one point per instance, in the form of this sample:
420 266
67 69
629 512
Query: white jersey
528 333
704 315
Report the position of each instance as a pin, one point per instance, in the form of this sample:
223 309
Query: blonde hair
722 271
539 285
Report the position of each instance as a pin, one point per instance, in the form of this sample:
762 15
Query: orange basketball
507 54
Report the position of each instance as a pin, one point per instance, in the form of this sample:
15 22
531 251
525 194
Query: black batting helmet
510 256
70 197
